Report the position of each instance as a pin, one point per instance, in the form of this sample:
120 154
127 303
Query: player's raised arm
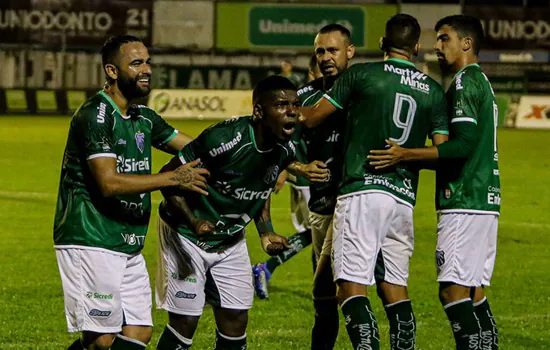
272 243
314 115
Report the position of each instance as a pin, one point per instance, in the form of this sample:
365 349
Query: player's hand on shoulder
381 159
190 178
203 227
317 171
273 243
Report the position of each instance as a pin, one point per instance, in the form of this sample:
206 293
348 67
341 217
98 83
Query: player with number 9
384 100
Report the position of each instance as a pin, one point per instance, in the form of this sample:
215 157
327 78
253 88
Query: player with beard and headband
468 185
104 203
373 222
244 156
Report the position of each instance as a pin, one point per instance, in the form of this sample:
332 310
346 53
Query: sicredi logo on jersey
410 77
131 164
224 147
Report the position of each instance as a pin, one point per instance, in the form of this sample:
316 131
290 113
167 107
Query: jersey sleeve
162 131
94 131
439 117
465 102
196 149
343 88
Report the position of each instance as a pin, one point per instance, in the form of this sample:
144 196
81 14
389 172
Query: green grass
31 299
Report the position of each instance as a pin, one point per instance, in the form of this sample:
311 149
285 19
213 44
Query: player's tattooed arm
315 171
272 243
187 176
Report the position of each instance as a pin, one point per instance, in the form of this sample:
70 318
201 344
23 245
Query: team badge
439 258
140 141
271 174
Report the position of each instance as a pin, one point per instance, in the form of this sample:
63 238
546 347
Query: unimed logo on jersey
410 77
224 147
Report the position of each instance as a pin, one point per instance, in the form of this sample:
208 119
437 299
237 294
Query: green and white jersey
242 178
386 100
472 185
83 216
324 143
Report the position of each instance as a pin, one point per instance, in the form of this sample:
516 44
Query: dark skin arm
315 171
176 200
272 243
111 183
316 114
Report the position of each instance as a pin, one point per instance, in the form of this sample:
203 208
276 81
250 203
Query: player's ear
350 52
416 49
257 111
467 43
111 71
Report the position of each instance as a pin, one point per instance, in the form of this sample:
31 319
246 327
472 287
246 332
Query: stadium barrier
40 101
533 112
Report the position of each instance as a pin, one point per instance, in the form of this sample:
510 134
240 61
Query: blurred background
49 58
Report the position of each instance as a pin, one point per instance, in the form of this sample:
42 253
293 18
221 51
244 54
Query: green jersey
241 180
473 184
324 143
386 100
83 216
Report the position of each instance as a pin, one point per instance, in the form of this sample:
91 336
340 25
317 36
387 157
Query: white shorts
361 224
223 279
104 290
466 248
320 224
299 199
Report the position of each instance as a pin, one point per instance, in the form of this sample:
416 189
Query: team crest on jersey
271 174
439 258
140 141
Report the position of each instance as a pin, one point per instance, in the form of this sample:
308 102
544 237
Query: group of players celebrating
356 133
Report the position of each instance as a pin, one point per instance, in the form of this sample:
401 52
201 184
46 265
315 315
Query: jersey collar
112 103
466 66
253 139
399 60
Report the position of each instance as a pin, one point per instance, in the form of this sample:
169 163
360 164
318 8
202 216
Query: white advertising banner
534 112
183 24
208 104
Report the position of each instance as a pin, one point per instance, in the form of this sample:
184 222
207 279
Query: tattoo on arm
183 175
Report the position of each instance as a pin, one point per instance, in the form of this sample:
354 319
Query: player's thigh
136 296
462 247
182 295
491 252
231 322
229 281
392 263
299 199
319 226
361 222
91 282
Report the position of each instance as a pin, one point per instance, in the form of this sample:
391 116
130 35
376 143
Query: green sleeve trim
464 119
331 100
181 157
169 138
442 132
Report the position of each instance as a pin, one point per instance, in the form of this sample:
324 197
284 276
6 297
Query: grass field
31 299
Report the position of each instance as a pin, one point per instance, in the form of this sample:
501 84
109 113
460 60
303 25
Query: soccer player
299 180
245 156
390 99
104 204
468 185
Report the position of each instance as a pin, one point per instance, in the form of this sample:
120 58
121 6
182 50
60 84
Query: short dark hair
335 27
402 33
465 26
313 62
271 83
112 46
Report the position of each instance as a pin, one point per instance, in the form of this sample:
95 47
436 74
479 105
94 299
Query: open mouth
289 128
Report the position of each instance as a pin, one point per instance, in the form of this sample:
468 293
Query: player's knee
232 323
450 292
99 341
183 324
140 333
391 293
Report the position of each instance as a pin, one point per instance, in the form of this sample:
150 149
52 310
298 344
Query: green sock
402 325
489 331
170 339
361 323
325 328
224 342
464 324
77 345
298 241
124 343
